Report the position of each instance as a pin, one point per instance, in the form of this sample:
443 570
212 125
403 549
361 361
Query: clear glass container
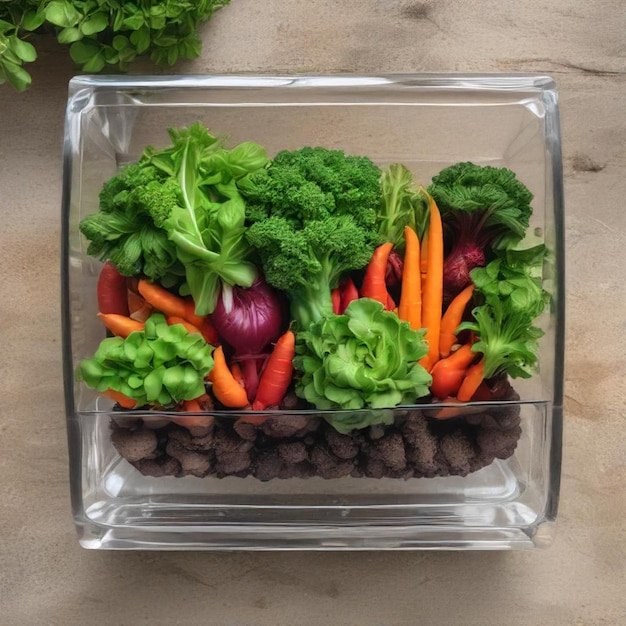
502 494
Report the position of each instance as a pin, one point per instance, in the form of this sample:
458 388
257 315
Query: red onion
248 320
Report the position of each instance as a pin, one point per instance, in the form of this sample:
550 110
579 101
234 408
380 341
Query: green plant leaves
161 365
95 23
366 358
62 14
24 51
113 33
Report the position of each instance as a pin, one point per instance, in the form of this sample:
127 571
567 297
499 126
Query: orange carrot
276 376
169 304
432 294
123 400
473 378
424 259
448 373
410 307
189 327
451 319
348 294
225 388
235 370
374 285
120 325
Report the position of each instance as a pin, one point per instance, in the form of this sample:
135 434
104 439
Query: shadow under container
488 479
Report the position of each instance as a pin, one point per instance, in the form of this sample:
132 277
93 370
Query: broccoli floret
315 183
312 218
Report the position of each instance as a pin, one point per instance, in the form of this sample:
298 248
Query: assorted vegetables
232 280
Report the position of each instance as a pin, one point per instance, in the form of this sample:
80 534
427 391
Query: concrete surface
47 579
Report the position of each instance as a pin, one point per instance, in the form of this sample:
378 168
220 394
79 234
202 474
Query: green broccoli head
314 184
312 217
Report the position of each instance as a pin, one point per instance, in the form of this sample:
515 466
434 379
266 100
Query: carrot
124 401
391 304
448 373
374 285
189 327
432 293
335 295
451 320
225 388
276 376
410 307
473 378
120 325
168 303
424 259
348 294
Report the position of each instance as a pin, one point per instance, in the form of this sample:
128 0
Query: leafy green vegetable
161 365
312 217
403 205
507 338
515 275
483 209
128 228
366 358
177 216
102 33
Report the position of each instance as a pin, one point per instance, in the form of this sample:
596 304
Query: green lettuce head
160 365
364 359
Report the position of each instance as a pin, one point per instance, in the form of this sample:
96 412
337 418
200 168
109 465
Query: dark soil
299 446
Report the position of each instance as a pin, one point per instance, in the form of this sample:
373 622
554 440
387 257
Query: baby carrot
276 376
448 373
410 307
225 388
189 327
120 325
168 303
124 401
432 295
374 285
451 319
473 378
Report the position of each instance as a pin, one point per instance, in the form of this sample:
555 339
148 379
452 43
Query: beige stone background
47 579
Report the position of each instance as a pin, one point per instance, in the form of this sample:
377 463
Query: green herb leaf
95 23
62 14
24 51
69 35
